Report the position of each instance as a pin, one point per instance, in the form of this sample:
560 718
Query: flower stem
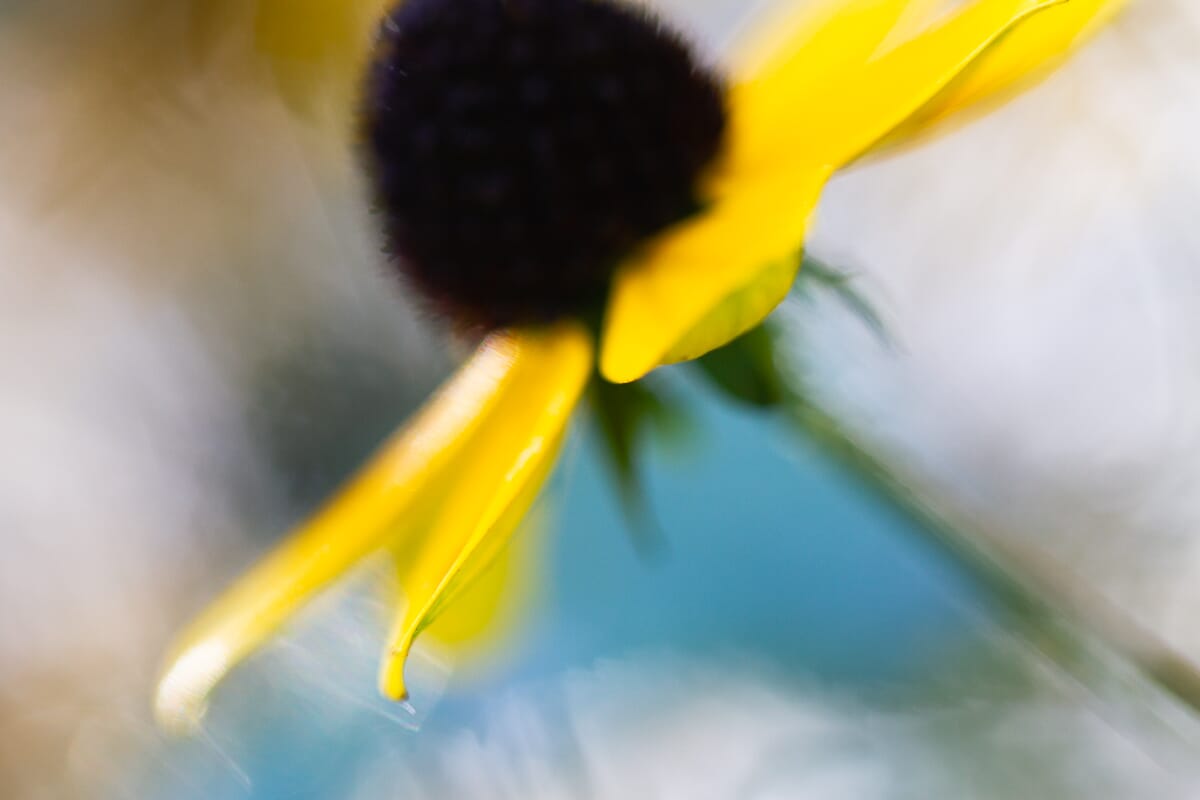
1073 627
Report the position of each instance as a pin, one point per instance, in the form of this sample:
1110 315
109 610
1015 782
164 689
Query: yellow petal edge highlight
1025 54
388 499
838 120
493 485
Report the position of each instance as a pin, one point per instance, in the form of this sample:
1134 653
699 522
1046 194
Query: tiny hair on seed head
519 149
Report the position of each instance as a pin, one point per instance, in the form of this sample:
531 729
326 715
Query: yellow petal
317 48
710 279
496 601
1027 52
850 117
329 31
494 483
792 56
402 481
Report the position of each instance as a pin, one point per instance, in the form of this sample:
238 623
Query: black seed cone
520 147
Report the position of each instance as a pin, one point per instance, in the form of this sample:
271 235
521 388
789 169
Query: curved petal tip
181 699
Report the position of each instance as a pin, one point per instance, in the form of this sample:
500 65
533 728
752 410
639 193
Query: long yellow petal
790 57
494 483
399 484
853 116
1027 53
710 279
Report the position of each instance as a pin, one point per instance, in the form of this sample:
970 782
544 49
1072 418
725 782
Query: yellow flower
815 90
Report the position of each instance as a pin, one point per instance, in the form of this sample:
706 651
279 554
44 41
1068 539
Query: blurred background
198 341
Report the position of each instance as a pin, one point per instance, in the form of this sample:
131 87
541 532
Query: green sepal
626 414
746 369
817 274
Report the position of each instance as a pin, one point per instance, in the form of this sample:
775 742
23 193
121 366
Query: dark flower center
520 148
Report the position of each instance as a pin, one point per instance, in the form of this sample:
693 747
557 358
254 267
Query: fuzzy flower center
521 148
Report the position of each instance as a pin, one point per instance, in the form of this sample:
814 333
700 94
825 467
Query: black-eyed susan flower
567 180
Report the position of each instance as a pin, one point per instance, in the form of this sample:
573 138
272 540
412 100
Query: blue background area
772 548
774 552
